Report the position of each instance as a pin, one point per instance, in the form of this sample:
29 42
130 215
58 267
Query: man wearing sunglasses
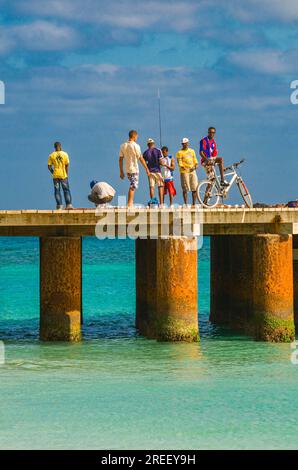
209 155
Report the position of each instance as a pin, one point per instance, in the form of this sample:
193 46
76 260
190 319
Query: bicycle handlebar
235 165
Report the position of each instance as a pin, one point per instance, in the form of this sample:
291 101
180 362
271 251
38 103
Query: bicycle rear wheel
245 194
208 193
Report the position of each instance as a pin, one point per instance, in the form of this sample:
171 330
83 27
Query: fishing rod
159 118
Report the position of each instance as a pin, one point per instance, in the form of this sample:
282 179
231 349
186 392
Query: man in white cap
153 158
188 163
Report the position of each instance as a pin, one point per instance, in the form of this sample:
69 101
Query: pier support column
295 275
252 285
60 288
167 296
273 288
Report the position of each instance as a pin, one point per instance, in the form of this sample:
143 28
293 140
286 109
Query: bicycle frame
223 192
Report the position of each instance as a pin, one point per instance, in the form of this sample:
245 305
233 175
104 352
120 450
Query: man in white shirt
131 152
101 193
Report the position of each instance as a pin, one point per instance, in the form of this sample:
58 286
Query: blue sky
85 72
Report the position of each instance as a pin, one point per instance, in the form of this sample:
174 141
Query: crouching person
101 193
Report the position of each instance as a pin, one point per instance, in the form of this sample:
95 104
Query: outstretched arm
145 165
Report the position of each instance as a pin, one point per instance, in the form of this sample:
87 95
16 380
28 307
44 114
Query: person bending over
101 193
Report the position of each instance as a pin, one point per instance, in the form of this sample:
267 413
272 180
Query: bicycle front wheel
245 194
208 193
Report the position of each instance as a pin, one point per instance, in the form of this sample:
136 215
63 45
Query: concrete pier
60 288
273 302
254 268
167 289
252 285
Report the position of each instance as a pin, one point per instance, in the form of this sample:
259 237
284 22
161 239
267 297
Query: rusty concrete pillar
167 294
252 285
177 289
295 276
60 288
273 288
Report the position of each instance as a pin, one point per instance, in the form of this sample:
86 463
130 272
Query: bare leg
194 197
131 194
220 163
185 197
171 199
161 194
207 193
151 191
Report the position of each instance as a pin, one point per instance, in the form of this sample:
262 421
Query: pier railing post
167 294
60 288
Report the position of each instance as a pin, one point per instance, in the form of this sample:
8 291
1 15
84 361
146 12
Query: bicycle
210 190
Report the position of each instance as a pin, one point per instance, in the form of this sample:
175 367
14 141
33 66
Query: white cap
150 141
185 140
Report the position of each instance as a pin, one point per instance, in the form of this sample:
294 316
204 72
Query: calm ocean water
116 390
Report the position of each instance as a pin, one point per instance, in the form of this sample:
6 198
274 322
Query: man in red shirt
209 155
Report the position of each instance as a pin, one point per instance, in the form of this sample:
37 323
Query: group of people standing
159 166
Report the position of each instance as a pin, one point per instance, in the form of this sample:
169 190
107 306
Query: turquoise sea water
116 390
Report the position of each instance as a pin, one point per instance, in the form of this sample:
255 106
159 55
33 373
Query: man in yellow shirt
58 164
188 163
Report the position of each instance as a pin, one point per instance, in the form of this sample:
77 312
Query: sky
85 72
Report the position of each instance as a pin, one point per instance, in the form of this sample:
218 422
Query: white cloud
109 69
6 42
142 15
38 35
106 88
45 35
262 10
265 61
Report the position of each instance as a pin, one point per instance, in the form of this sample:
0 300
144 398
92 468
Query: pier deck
82 222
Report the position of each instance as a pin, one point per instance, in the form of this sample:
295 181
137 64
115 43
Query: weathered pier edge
254 270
